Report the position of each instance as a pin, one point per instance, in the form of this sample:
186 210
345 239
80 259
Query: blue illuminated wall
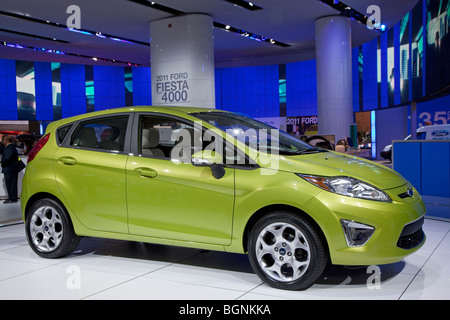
8 95
43 87
142 93
73 91
301 88
370 87
109 87
250 90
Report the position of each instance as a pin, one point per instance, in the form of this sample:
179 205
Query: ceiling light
245 4
218 25
82 31
32 35
41 49
348 11
249 35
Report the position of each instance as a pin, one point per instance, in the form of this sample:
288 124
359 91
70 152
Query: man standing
10 167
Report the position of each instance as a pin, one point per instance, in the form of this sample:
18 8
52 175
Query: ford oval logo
410 192
440 133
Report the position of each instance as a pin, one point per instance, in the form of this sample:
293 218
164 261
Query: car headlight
347 186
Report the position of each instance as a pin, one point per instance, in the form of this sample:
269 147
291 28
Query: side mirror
209 158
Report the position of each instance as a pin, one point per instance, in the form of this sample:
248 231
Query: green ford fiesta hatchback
217 180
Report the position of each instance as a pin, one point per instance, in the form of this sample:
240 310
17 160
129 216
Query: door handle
67 160
146 172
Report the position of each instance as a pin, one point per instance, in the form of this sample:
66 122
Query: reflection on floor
9 213
111 269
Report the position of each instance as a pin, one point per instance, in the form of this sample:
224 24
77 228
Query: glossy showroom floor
110 269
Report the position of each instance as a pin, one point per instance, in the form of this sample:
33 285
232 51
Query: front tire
49 229
286 251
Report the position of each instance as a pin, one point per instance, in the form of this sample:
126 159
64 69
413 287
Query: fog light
356 234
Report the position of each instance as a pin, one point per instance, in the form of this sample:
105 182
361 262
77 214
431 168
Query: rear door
90 170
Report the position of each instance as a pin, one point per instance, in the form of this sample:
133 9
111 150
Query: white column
334 76
182 61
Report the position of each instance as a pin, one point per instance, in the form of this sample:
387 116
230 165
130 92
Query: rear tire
286 251
49 229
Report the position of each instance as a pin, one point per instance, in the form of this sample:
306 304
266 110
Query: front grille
412 235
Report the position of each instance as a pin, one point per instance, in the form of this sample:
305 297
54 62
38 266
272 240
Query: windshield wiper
307 151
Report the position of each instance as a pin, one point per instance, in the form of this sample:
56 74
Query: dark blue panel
218 87
370 85
384 83
436 169
301 88
8 95
73 90
355 78
249 90
397 63
101 87
142 90
407 161
43 89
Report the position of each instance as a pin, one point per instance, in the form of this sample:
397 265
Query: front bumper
397 226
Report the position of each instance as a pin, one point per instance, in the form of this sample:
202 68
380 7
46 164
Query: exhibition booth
347 89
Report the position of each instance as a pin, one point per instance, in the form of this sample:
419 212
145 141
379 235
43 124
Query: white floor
110 269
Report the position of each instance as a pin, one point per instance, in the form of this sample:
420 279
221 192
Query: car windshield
256 134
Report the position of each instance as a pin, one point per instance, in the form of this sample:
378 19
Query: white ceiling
288 21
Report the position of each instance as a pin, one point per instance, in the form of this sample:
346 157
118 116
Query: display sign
436 111
304 125
172 87
182 61
434 117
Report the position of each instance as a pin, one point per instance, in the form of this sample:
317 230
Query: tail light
37 147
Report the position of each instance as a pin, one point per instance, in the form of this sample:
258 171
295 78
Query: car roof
172 110
433 127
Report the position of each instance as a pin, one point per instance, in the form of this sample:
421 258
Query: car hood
335 164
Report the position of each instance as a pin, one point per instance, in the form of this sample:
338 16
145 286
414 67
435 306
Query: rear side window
62 132
106 133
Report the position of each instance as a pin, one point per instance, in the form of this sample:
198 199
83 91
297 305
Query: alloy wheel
283 252
46 229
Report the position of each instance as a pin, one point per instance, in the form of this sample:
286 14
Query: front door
175 199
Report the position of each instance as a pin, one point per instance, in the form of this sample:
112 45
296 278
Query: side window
160 137
172 139
62 132
106 133
421 135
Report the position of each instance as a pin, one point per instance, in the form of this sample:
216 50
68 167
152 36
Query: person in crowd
10 167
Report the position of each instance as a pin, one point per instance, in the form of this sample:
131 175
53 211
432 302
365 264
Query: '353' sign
433 117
